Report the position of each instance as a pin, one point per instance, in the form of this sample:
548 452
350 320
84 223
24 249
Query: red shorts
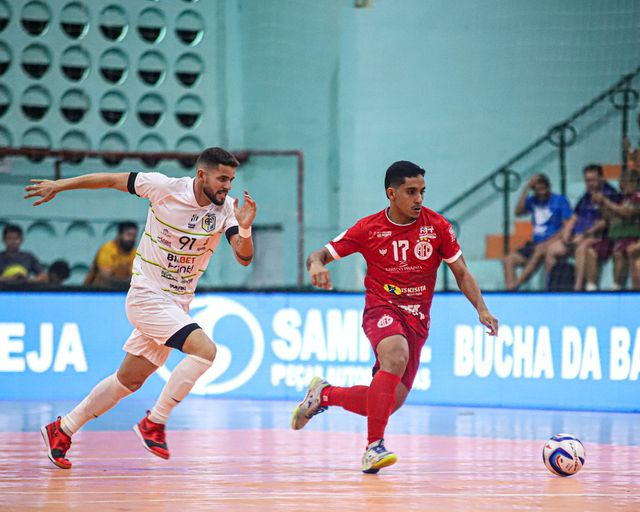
621 246
602 248
383 321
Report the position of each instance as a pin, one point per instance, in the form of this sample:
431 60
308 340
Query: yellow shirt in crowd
112 258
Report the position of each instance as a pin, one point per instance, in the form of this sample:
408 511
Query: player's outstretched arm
242 243
468 286
318 272
47 189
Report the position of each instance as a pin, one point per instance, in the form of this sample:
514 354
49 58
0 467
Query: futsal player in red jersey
403 246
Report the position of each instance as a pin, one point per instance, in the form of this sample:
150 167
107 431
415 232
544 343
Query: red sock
353 399
381 399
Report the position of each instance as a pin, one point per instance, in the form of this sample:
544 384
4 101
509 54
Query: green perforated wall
121 75
101 75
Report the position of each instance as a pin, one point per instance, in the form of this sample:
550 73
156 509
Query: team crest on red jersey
423 250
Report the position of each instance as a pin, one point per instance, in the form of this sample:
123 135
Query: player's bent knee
200 345
209 352
395 362
130 381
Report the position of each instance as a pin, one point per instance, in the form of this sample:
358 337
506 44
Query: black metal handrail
623 98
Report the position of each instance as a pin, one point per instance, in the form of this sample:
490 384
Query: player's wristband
244 232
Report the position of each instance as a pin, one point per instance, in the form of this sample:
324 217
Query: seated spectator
18 266
549 212
624 232
58 272
632 155
112 265
586 228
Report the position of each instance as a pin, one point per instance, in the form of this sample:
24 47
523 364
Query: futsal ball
563 455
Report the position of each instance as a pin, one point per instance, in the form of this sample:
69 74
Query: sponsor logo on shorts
423 250
385 321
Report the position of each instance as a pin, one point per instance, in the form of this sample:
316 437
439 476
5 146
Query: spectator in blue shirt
549 212
586 228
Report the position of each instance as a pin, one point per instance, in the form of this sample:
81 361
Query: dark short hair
212 157
127 224
11 228
593 167
398 171
61 269
544 179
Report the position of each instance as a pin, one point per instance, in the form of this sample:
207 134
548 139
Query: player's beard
214 197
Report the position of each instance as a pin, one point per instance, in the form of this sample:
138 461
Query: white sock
182 379
591 287
103 397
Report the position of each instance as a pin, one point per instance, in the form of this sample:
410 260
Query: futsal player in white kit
186 220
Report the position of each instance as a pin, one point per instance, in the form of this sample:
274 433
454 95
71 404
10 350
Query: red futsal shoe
57 443
152 436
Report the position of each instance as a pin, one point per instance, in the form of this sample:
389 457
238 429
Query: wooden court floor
280 470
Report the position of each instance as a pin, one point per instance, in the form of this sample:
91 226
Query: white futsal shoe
376 457
311 405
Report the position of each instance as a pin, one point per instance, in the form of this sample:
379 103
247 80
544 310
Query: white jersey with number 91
180 235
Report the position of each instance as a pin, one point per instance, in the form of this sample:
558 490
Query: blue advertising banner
574 351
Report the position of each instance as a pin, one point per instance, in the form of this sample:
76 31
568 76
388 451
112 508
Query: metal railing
623 98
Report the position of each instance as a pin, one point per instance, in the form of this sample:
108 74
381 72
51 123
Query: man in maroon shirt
403 246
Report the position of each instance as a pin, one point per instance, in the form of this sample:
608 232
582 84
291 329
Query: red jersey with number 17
402 259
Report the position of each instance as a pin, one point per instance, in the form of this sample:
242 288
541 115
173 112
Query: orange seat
611 171
494 243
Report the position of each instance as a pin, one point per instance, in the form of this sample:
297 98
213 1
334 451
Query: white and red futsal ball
563 455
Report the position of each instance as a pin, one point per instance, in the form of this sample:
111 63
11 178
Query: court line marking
146 472
279 496
370 492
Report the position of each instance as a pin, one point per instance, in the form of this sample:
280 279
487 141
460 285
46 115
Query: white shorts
156 318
